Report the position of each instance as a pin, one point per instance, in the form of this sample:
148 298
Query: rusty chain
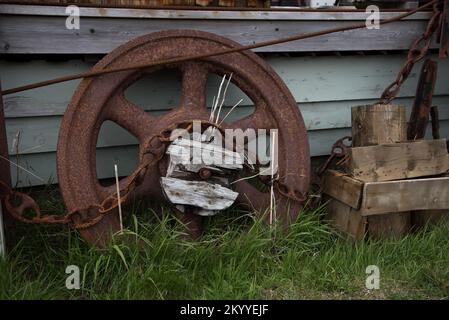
155 147
105 207
417 52
339 150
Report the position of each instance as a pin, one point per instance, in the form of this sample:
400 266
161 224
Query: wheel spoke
251 198
145 189
129 116
194 78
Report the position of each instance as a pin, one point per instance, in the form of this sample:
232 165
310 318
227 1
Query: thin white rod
211 117
272 204
232 109
223 98
118 197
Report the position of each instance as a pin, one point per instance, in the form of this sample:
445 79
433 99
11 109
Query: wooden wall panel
117 26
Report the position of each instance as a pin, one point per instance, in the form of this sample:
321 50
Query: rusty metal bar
444 40
435 122
419 117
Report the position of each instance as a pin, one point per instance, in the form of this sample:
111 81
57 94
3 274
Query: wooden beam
405 195
397 161
378 124
344 188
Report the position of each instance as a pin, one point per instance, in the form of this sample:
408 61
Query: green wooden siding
324 87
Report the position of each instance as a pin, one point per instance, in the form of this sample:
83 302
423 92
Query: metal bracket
444 39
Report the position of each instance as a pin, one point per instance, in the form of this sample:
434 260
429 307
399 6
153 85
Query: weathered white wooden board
200 193
182 151
25 32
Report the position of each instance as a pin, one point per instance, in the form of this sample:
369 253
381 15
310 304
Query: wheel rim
102 98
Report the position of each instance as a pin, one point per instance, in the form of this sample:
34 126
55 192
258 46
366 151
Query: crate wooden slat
343 188
391 196
399 160
405 195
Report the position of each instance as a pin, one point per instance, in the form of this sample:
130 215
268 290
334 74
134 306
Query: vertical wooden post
380 124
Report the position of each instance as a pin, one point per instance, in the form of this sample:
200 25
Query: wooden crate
380 209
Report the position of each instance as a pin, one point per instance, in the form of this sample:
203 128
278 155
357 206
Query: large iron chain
417 52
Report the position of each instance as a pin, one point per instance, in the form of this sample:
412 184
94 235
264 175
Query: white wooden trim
37 10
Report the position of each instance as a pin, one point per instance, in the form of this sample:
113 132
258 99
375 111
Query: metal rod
214 53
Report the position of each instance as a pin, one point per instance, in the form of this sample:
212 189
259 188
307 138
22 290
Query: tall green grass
238 258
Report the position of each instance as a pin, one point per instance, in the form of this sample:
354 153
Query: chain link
105 207
417 51
339 150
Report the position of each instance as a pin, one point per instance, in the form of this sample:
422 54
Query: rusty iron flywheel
102 98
